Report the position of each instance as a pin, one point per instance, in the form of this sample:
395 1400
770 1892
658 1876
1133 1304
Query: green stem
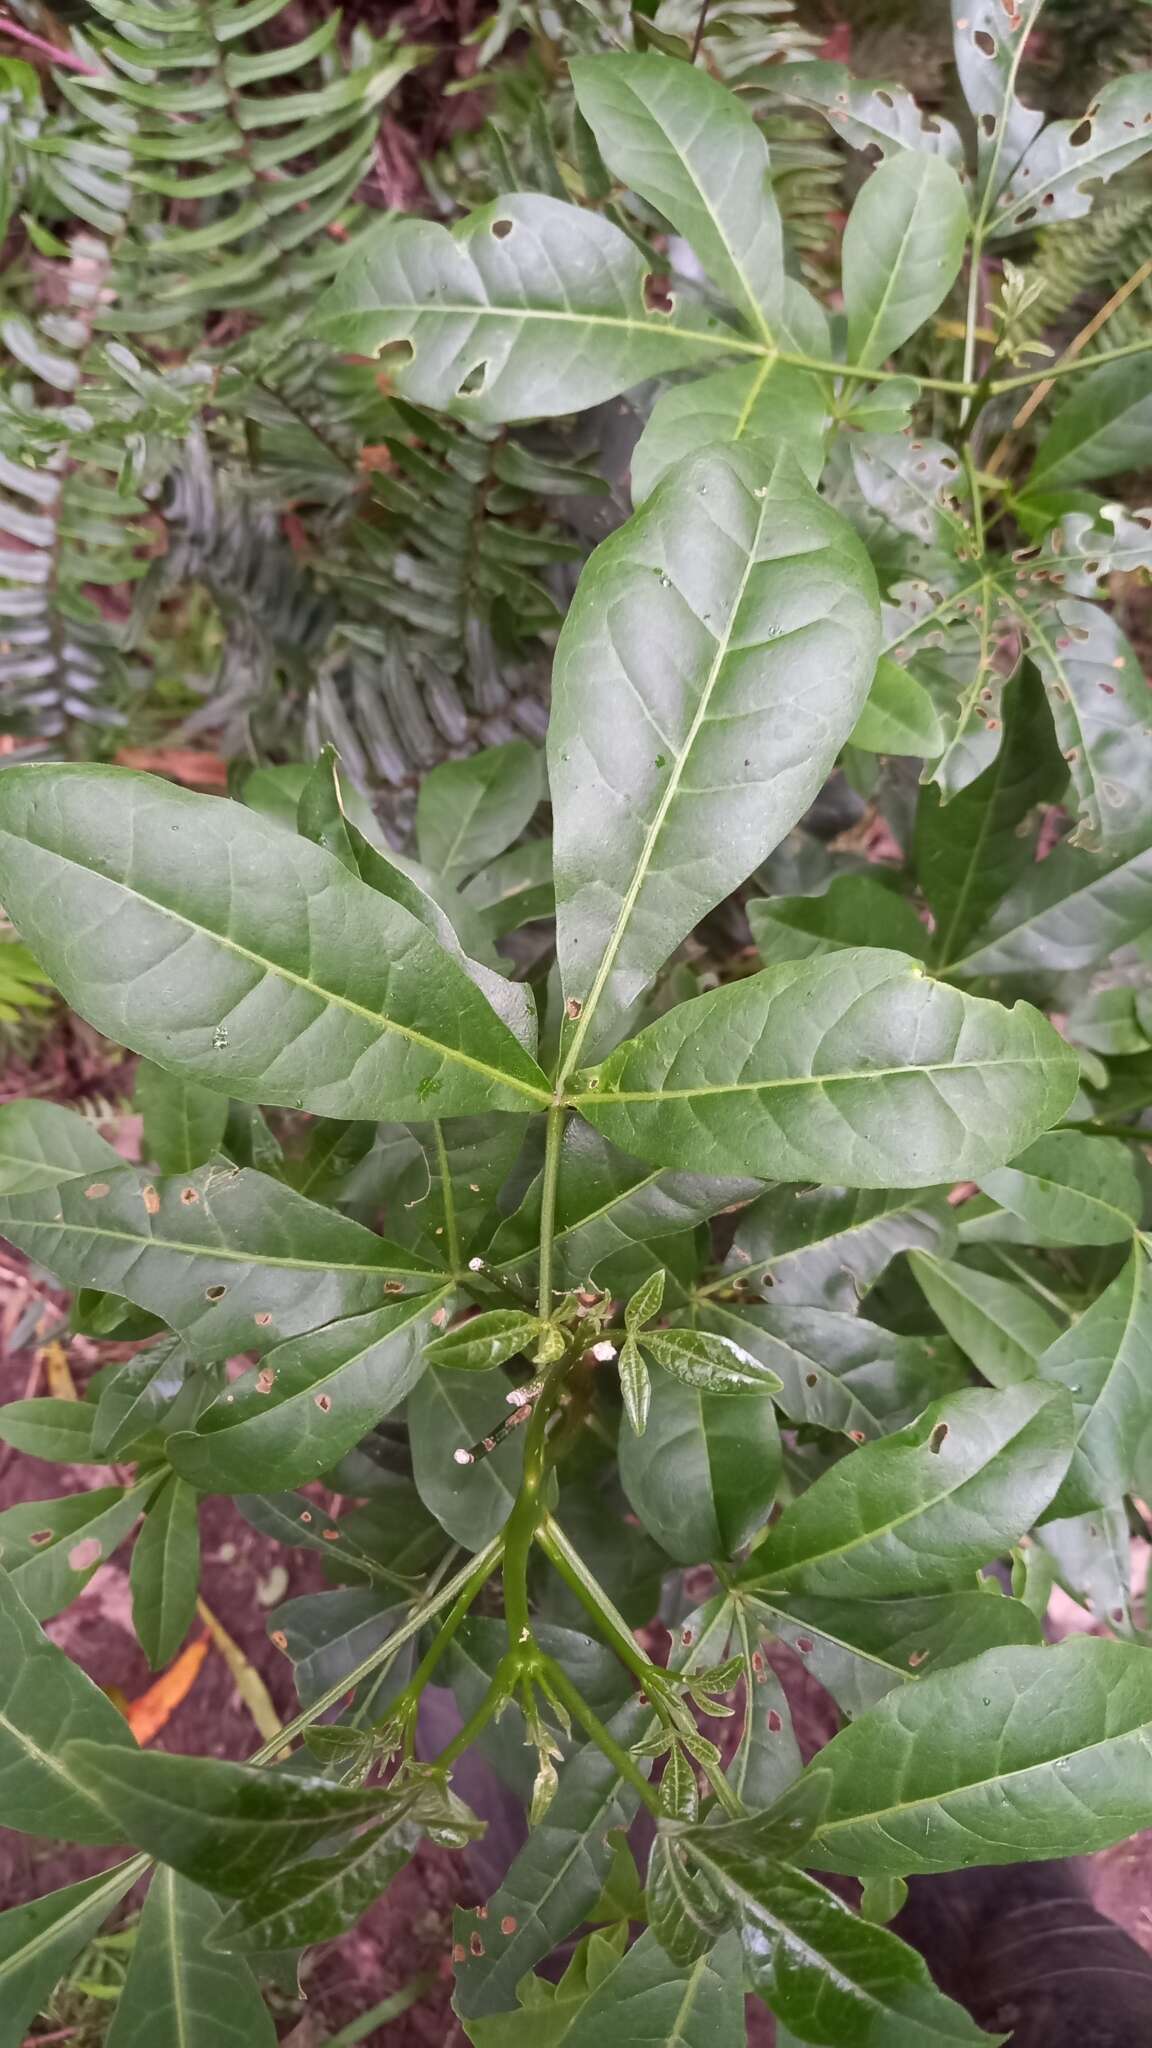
501 1688
591 1595
593 1726
438 1645
867 375
1099 1129
520 1528
976 498
1054 370
552 1148
473 1574
451 1225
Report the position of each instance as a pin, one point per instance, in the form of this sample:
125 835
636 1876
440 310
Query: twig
1079 342
70 62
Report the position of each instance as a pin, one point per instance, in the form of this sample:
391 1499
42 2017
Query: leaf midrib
242 1258
859 352
614 1095
379 1022
727 340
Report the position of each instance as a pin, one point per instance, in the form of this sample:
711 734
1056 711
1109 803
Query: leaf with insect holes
882 117
1033 1753
529 307
903 246
230 1258
51 1548
1065 166
46 1702
485 1340
166 1572
828 1245
311 1399
1099 701
178 1987
42 1144
919 1511
855 1067
767 406
245 956
223 1825
989 44
839 1371
716 656
702 1478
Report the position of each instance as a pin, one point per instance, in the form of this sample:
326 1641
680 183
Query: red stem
71 62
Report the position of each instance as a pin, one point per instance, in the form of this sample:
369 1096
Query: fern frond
1086 259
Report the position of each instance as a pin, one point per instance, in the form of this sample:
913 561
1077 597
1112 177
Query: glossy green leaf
138 1400
1104 425
829 1245
971 849
633 1997
528 308
704 682
178 1986
635 1385
42 1145
220 1824
311 1400
58 1431
46 1702
856 1069
898 717
327 1636
449 1412
840 1371
469 811
319 1898
853 909
830 1976
1103 1362
1066 912
183 1122
767 405
229 1258
703 1476
1071 1189
1022 1753
50 1548
710 1362
251 959
1099 699
1002 1328
903 246
166 1572
484 1340
918 1511
861 1649
39 1942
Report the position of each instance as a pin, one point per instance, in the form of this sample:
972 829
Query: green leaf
898 717
644 1305
1002 1328
1071 1189
40 1941
880 116
178 1987
249 957
635 1385
851 909
483 1341
918 1511
529 308
703 1476
688 146
766 405
855 1068
449 1412
321 1897
1023 1753
903 247
1103 1362
166 1572
312 1399
715 657
46 1702
989 45
631 1999
828 1245
861 1649
1099 699
1104 425
327 1636
137 1400
827 1974
183 1123
220 1824
58 1431
42 1144
1069 161
970 850
710 1363
1090 1556
469 811
1066 912
231 1259
840 1371
51 1548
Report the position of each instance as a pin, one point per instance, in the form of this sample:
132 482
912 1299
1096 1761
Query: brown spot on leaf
917 1657
96 1192
509 1924
40 1537
393 1287
805 1645
85 1554
324 1403
189 1195
263 1319
265 1381
280 1639
215 1293
773 1722
476 1945
151 1200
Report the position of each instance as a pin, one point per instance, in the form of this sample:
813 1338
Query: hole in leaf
392 355
1029 213
885 98
1081 134
502 229
657 297
215 1293
805 1645
775 1724
936 1440
985 43
39 1537
472 385
988 124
